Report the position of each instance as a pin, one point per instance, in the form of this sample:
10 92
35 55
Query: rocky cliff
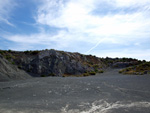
9 71
54 63
59 63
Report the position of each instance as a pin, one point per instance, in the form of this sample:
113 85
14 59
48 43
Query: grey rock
52 62
9 71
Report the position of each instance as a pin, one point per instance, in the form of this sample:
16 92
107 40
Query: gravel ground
104 93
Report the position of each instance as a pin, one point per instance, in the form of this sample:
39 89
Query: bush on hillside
101 71
92 73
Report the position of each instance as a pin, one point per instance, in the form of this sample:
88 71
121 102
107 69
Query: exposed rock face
9 71
59 63
55 63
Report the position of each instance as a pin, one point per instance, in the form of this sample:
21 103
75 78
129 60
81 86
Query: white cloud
78 23
59 40
77 18
6 7
128 3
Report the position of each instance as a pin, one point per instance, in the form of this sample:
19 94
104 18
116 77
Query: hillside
9 71
143 68
45 63
55 63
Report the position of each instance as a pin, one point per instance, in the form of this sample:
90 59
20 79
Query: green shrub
28 70
92 73
26 52
43 76
86 74
8 57
101 71
52 74
9 50
20 67
35 52
2 52
120 71
32 52
96 70
96 66
13 62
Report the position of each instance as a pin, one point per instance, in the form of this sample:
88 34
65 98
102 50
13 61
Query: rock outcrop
55 63
59 63
9 71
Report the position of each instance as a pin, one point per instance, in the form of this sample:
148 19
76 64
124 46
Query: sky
105 28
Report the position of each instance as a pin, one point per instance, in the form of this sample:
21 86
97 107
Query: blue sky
113 28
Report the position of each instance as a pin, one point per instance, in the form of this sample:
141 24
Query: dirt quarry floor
104 93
